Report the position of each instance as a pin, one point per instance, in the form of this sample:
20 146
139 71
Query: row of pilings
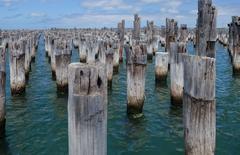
21 47
192 77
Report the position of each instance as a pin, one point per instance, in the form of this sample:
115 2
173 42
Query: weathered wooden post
149 31
2 90
121 29
63 59
230 39
236 44
116 47
87 109
183 38
199 107
33 48
176 73
92 50
26 47
136 27
17 70
163 36
171 33
136 66
53 60
109 65
161 66
206 33
83 50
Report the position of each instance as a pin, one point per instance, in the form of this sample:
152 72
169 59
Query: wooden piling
116 47
2 90
26 48
87 109
149 34
199 108
176 74
235 27
52 51
17 69
92 50
171 33
83 51
136 67
63 59
161 66
206 33
109 65
121 31
137 27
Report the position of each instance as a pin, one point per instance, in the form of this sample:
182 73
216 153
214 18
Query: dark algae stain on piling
37 120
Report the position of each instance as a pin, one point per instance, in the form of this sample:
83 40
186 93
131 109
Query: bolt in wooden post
199 108
87 109
136 67
2 90
176 73
63 59
161 66
17 69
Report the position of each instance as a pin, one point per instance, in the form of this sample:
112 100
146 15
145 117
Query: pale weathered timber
33 48
136 68
116 47
17 69
52 57
2 90
82 51
109 65
149 35
176 74
63 59
92 50
121 31
235 27
183 39
161 66
230 39
26 48
87 109
136 27
206 33
171 33
199 107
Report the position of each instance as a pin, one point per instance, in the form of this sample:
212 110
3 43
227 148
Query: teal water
37 121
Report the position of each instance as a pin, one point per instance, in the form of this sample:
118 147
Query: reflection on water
37 121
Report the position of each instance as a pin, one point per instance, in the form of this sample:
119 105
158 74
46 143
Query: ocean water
37 121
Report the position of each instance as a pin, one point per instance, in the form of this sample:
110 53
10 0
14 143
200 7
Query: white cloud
37 14
106 4
8 2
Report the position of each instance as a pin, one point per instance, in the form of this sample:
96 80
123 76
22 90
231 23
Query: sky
41 14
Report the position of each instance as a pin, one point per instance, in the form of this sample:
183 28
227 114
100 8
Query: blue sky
99 13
